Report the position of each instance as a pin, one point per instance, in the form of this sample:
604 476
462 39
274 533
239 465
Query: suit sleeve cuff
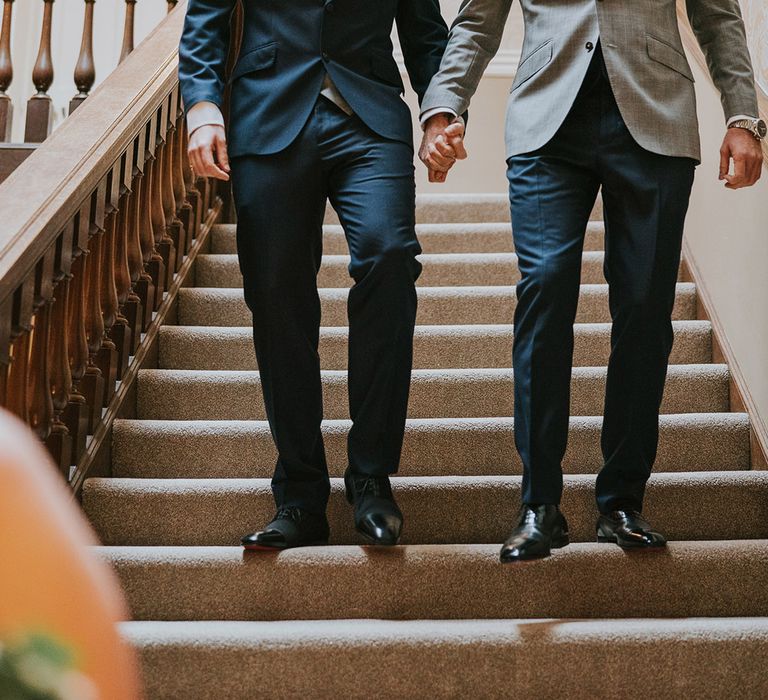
203 114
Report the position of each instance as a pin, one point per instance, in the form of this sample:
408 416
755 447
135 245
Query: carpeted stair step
436 347
493 659
432 447
437 510
434 238
463 208
587 580
440 270
210 306
220 395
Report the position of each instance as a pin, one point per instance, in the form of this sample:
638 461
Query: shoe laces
289 513
371 486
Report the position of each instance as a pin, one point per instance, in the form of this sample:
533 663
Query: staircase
438 616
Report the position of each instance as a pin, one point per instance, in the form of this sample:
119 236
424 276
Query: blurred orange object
51 582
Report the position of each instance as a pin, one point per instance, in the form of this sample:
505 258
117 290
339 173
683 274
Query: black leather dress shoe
629 530
540 529
291 527
377 517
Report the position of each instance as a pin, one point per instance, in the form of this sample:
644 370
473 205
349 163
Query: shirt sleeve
739 117
203 114
436 110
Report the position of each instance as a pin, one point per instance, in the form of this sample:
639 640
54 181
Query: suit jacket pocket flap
667 55
255 60
533 63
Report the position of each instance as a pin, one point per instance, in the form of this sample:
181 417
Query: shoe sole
557 544
373 541
268 548
605 539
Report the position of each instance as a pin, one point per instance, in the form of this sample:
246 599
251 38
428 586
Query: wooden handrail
694 50
99 223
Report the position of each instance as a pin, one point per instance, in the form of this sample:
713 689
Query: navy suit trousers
280 201
645 198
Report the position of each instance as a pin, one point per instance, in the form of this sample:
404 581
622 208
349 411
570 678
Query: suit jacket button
330 7
325 56
590 46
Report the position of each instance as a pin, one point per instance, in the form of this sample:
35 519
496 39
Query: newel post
6 72
85 70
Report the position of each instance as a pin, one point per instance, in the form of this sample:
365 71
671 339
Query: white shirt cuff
204 114
436 110
738 117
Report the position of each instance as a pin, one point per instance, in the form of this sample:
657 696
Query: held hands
744 149
208 152
442 145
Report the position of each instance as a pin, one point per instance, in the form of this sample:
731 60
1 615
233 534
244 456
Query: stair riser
225 307
439 271
580 581
580 660
436 511
178 449
435 347
182 395
448 238
451 208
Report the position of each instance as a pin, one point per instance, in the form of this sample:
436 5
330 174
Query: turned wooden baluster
76 414
17 392
122 332
194 196
108 355
6 72
128 29
150 232
59 441
40 398
163 242
132 307
145 284
40 106
174 228
85 70
94 380
184 212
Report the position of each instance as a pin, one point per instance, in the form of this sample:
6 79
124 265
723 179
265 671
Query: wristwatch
756 127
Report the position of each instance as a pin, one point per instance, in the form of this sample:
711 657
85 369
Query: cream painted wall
65 42
728 235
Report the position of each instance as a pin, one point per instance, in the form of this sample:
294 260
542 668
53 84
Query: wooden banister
40 106
101 226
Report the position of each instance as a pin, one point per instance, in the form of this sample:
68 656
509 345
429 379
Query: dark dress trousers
645 198
291 151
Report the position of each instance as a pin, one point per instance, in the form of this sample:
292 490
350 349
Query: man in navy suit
316 113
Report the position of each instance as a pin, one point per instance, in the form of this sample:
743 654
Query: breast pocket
662 52
258 59
532 64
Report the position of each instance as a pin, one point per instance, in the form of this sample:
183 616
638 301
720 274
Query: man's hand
744 149
208 152
442 145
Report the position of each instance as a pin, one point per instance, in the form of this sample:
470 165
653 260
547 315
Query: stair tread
437 509
458 581
205 448
437 305
435 346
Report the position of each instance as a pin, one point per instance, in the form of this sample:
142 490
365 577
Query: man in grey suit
603 99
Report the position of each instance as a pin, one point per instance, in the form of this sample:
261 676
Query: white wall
67 31
728 235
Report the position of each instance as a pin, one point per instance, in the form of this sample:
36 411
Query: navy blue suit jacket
287 47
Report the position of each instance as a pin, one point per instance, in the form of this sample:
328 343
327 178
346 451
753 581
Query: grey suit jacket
647 67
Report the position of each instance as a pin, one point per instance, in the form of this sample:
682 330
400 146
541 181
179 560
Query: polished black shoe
291 527
540 529
629 530
377 517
